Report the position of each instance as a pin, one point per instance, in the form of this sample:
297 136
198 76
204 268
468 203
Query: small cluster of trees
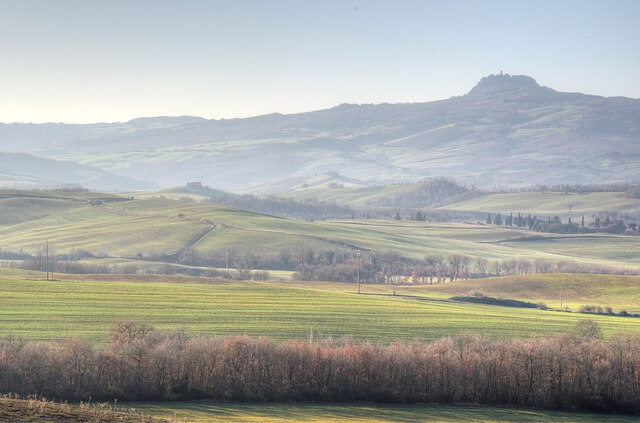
613 226
242 269
55 265
596 309
514 266
430 193
573 371
633 192
555 225
520 220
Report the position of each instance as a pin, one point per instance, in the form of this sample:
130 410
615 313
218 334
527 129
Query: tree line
393 269
574 371
556 225
571 188
337 265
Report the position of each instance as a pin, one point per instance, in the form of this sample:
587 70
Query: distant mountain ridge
507 131
24 171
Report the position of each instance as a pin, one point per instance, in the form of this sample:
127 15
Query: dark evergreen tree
498 220
489 220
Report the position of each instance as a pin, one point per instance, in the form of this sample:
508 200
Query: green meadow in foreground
207 411
51 310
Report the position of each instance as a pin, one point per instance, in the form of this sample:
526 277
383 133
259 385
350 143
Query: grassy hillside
100 231
32 410
19 206
548 204
27 171
157 228
207 411
47 311
411 195
619 292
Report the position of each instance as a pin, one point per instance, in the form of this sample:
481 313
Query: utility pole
53 263
560 300
46 253
358 267
227 275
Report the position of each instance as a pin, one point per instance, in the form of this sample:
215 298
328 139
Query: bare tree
244 266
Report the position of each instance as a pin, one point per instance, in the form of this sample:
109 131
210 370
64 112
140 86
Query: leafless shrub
574 371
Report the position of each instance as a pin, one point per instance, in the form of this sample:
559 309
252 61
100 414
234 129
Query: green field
575 290
350 196
152 228
207 411
48 311
549 203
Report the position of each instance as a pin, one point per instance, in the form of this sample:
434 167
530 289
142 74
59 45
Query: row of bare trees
574 371
439 269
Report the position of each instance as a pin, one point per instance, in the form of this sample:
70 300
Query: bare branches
573 371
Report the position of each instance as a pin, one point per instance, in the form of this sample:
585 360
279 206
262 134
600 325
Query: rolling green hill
21 170
163 229
619 292
411 195
548 204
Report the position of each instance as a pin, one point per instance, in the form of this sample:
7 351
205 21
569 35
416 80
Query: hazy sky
89 61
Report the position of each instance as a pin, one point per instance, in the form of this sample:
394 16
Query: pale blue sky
90 61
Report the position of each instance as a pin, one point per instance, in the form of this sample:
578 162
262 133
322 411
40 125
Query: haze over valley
320 211
506 132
